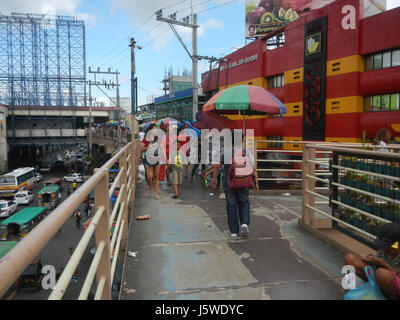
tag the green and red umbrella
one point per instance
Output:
(245, 100)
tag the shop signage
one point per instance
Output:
(314, 84)
(239, 62)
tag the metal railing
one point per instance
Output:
(341, 211)
(284, 165)
(108, 249)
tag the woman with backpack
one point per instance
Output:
(238, 178)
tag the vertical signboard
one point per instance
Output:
(314, 84)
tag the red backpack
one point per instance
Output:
(238, 176)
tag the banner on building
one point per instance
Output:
(266, 16)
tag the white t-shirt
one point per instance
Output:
(383, 147)
(141, 135)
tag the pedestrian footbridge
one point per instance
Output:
(295, 249)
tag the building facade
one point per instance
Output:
(177, 105)
(336, 82)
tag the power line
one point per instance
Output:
(196, 5)
(220, 5)
(173, 5)
(150, 31)
(167, 29)
(117, 55)
(124, 40)
(123, 58)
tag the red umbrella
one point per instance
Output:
(210, 120)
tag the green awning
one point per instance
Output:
(49, 189)
(24, 216)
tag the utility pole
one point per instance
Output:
(106, 85)
(171, 20)
(194, 70)
(133, 83)
(90, 117)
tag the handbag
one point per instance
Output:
(238, 181)
(368, 291)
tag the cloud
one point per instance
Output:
(50, 7)
(140, 12)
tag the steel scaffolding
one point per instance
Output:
(42, 60)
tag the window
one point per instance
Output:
(395, 101)
(276, 81)
(383, 102)
(396, 58)
(378, 61)
(369, 62)
(386, 63)
(367, 104)
(7, 179)
(381, 60)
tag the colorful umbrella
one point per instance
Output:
(245, 100)
(167, 121)
(190, 126)
(146, 125)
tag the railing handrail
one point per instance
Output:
(27, 249)
(359, 151)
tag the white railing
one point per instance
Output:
(107, 248)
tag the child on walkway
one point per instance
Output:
(177, 170)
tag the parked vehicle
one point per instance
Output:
(21, 223)
(7, 208)
(32, 276)
(48, 196)
(55, 181)
(17, 180)
(23, 197)
(73, 177)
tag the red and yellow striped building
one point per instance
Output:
(355, 76)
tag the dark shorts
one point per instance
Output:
(148, 164)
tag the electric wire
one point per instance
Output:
(220, 5)
(125, 39)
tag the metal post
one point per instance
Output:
(133, 104)
(103, 235)
(118, 111)
(308, 184)
(124, 181)
(194, 71)
(90, 118)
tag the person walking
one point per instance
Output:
(74, 185)
(152, 169)
(89, 211)
(77, 217)
(177, 171)
(237, 197)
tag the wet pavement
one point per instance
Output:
(185, 252)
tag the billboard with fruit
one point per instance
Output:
(265, 16)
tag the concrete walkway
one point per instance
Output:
(184, 251)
